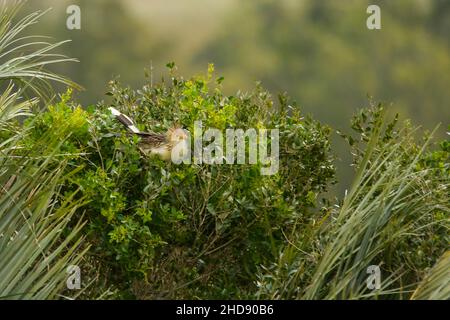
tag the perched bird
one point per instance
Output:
(152, 143)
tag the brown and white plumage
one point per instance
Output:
(153, 143)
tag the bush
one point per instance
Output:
(185, 231)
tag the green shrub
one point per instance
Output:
(188, 231)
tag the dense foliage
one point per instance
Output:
(202, 227)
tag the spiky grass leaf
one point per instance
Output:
(436, 284)
(34, 252)
(24, 59)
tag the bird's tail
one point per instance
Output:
(125, 120)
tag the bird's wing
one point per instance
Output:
(152, 140)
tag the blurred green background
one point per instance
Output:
(319, 52)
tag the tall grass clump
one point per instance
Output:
(36, 245)
(25, 59)
(394, 216)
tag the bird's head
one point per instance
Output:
(176, 135)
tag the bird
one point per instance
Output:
(155, 144)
